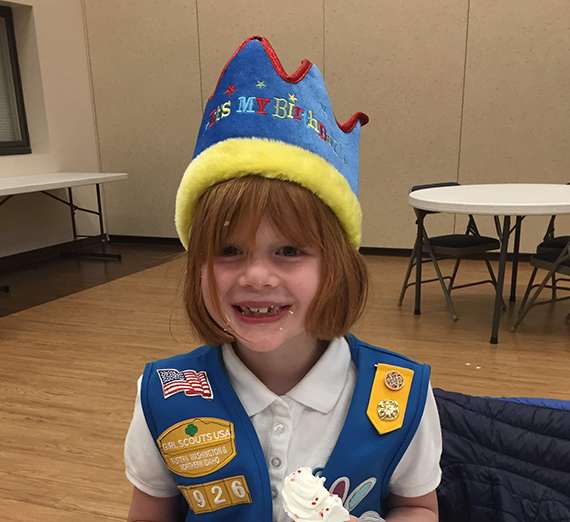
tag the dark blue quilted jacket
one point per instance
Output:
(504, 460)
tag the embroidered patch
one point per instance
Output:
(198, 447)
(188, 381)
(341, 487)
(211, 496)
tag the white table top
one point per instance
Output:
(39, 182)
(515, 199)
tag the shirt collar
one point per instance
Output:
(319, 390)
(252, 393)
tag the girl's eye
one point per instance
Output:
(230, 251)
(289, 251)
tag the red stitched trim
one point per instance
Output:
(296, 77)
(351, 122)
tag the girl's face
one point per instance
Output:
(264, 293)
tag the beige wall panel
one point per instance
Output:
(402, 64)
(517, 109)
(294, 29)
(52, 55)
(146, 83)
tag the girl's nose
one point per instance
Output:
(259, 272)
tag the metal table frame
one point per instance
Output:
(10, 187)
(504, 200)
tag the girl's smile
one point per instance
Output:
(264, 291)
(261, 313)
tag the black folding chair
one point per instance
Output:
(556, 262)
(551, 241)
(454, 246)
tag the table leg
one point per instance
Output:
(5, 288)
(72, 210)
(500, 279)
(419, 249)
(516, 250)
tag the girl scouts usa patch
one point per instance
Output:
(198, 447)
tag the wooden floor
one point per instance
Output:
(40, 282)
(68, 370)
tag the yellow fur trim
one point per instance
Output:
(272, 159)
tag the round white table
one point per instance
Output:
(509, 199)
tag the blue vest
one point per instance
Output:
(210, 444)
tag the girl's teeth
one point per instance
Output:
(266, 310)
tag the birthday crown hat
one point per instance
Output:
(260, 120)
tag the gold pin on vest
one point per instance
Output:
(394, 380)
(388, 410)
(389, 397)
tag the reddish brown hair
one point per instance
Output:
(302, 218)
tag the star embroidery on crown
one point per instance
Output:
(292, 98)
(260, 84)
(231, 88)
(323, 108)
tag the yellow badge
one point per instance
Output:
(218, 494)
(198, 447)
(389, 397)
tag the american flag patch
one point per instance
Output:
(188, 381)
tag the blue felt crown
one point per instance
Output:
(259, 120)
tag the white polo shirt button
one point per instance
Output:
(276, 462)
(274, 492)
(279, 428)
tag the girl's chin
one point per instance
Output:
(262, 343)
(259, 345)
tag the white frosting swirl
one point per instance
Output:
(306, 498)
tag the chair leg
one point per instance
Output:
(407, 278)
(553, 286)
(528, 306)
(528, 288)
(441, 280)
(493, 279)
(454, 274)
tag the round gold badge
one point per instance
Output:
(388, 410)
(394, 380)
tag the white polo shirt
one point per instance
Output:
(297, 429)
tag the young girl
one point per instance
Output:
(269, 214)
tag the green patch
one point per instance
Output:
(191, 430)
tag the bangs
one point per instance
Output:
(294, 212)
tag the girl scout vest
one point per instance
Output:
(208, 441)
